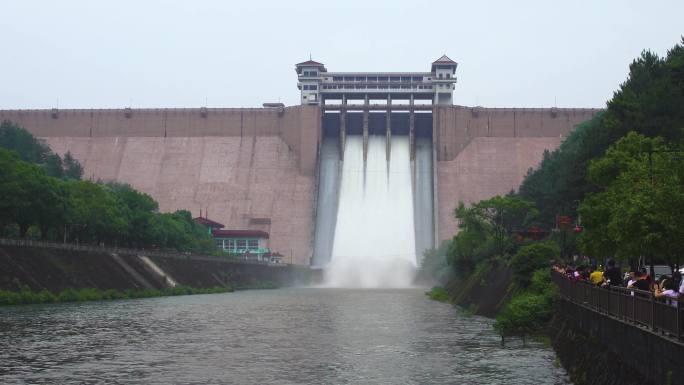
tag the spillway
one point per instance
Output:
(374, 239)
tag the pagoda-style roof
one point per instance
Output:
(310, 63)
(444, 60)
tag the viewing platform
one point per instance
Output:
(640, 309)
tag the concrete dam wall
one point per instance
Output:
(258, 168)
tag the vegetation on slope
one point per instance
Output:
(28, 296)
(623, 171)
(40, 203)
(648, 103)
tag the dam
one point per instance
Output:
(368, 160)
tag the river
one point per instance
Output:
(285, 336)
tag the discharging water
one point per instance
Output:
(374, 243)
(287, 336)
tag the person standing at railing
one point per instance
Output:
(641, 282)
(612, 275)
(596, 276)
(678, 282)
(668, 290)
(631, 279)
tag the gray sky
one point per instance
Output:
(99, 54)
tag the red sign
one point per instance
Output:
(563, 221)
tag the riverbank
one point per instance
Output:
(593, 347)
(27, 296)
(484, 292)
(30, 274)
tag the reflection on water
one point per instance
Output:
(287, 336)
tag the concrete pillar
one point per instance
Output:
(388, 129)
(365, 128)
(412, 130)
(343, 126)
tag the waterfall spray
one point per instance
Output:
(374, 243)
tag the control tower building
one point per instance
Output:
(318, 86)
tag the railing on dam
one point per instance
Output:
(139, 252)
(640, 308)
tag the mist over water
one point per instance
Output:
(374, 244)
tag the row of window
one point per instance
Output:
(237, 244)
(379, 87)
(310, 73)
(312, 87)
(377, 78)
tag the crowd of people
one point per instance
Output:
(668, 287)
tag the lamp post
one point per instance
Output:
(650, 151)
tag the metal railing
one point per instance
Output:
(246, 259)
(641, 308)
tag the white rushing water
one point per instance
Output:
(374, 243)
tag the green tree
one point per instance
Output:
(502, 215)
(532, 257)
(648, 102)
(33, 150)
(53, 166)
(72, 168)
(137, 210)
(27, 196)
(29, 148)
(638, 209)
(93, 213)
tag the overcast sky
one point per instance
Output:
(82, 54)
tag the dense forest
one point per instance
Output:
(617, 178)
(43, 197)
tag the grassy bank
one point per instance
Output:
(28, 296)
(438, 293)
(259, 285)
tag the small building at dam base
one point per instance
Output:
(281, 170)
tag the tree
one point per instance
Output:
(93, 213)
(648, 102)
(27, 196)
(502, 215)
(485, 230)
(532, 257)
(72, 168)
(29, 148)
(137, 210)
(33, 150)
(640, 206)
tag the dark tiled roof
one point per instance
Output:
(444, 60)
(209, 223)
(309, 63)
(239, 234)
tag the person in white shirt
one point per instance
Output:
(669, 291)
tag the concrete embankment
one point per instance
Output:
(597, 349)
(56, 269)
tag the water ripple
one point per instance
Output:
(288, 336)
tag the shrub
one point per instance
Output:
(438, 293)
(532, 257)
(525, 314)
